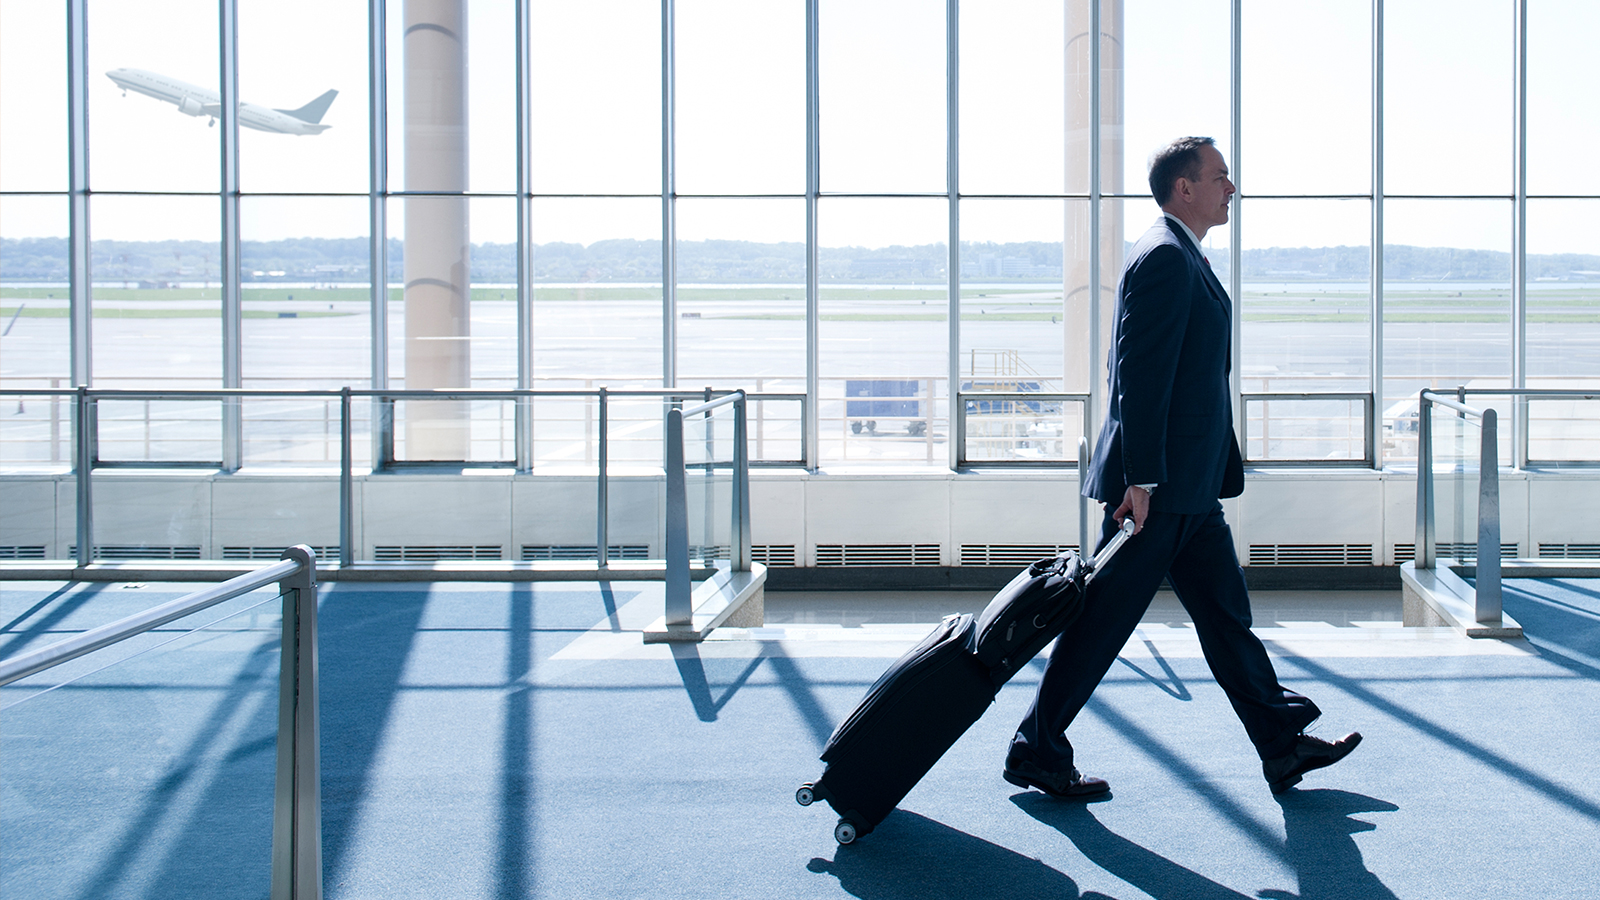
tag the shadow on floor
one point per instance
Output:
(911, 857)
(1319, 846)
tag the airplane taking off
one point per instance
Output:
(197, 101)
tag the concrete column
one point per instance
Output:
(1085, 364)
(437, 245)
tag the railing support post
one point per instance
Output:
(602, 510)
(1423, 552)
(739, 552)
(297, 802)
(679, 608)
(1488, 608)
(83, 465)
(347, 512)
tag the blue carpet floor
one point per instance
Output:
(474, 748)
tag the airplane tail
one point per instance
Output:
(312, 112)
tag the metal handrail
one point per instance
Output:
(1488, 605)
(86, 398)
(297, 797)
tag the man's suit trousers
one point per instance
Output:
(1195, 553)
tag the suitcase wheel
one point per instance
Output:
(845, 832)
(804, 796)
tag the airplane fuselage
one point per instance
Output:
(193, 100)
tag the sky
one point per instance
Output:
(1305, 111)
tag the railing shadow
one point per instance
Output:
(693, 672)
(911, 857)
(1566, 633)
(1177, 689)
(365, 643)
(19, 638)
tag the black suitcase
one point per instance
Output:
(930, 696)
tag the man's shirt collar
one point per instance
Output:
(1186, 230)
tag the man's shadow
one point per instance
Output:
(911, 857)
(1318, 828)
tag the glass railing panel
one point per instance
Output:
(708, 445)
(145, 769)
(1457, 448)
(1313, 429)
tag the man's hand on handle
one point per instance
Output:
(1135, 500)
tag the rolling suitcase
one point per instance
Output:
(930, 696)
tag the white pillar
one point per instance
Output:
(437, 246)
(1084, 360)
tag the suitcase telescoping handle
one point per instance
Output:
(1111, 547)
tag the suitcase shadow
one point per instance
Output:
(912, 857)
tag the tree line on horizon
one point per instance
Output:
(345, 260)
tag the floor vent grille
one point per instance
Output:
(324, 554)
(436, 552)
(540, 552)
(1310, 554)
(22, 552)
(877, 554)
(136, 551)
(773, 554)
(1562, 551)
(1010, 554)
(1404, 553)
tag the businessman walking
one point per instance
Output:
(1166, 456)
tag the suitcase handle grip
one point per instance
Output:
(1111, 547)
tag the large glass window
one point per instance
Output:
(1307, 103)
(33, 95)
(1446, 301)
(303, 91)
(741, 294)
(596, 293)
(1013, 98)
(597, 120)
(596, 104)
(157, 293)
(883, 96)
(741, 101)
(452, 96)
(1453, 141)
(1167, 46)
(153, 95)
(1563, 97)
(1563, 294)
(1013, 334)
(453, 324)
(884, 329)
(1306, 277)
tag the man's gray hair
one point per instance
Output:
(1179, 159)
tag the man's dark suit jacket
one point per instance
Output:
(1170, 416)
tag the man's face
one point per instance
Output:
(1208, 195)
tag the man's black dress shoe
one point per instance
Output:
(1071, 783)
(1284, 772)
